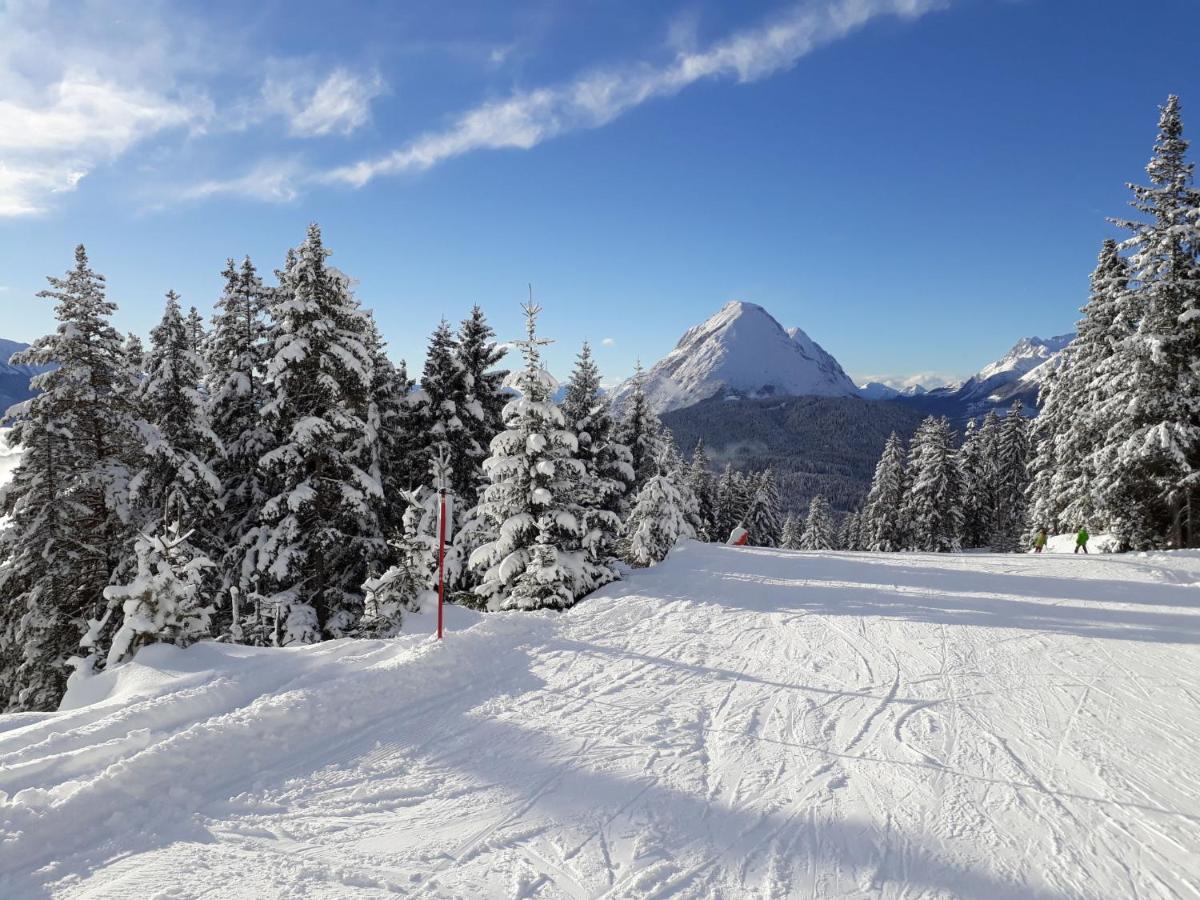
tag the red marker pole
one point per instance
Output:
(441, 559)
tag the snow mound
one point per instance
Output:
(733, 722)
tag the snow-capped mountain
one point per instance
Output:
(742, 351)
(878, 390)
(14, 380)
(1016, 375)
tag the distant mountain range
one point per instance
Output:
(1018, 375)
(14, 380)
(743, 353)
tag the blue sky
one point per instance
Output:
(916, 183)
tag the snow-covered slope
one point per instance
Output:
(741, 351)
(732, 723)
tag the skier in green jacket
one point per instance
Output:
(1081, 540)
(1039, 540)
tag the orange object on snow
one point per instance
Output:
(739, 537)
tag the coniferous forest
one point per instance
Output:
(270, 476)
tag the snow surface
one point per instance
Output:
(732, 723)
(741, 350)
(9, 457)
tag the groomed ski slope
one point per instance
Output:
(732, 723)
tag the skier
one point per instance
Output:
(1081, 539)
(1039, 540)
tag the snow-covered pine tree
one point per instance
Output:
(68, 500)
(641, 432)
(236, 356)
(671, 464)
(176, 483)
(445, 404)
(729, 510)
(135, 354)
(932, 505)
(483, 385)
(657, 519)
(1012, 481)
(197, 335)
(164, 601)
(319, 531)
(388, 427)
(884, 526)
(1101, 364)
(764, 516)
(1073, 423)
(410, 583)
(791, 534)
(977, 471)
(537, 559)
(608, 464)
(1147, 469)
(704, 487)
(850, 534)
(819, 530)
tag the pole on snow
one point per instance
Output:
(441, 477)
(441, 555)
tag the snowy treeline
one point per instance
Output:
(274, 478)
(935, 496)
(1118, 438)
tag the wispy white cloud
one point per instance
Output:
(338, 104)
(78, 89)
(608, 342)
(272, 180)
(527, 118)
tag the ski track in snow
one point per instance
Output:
(732, 723)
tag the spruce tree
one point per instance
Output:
(608, 464)
(135, 354)
(1075, 417)
(763, 517)
(657, 519)
(703, 486)
(1147, 468)
(933, 500)
(68, 500)
(197, 336)
(1012, 481)
(318, 531)
(884, 526)
(236, 356)
(444, 407)
(819, 531)
(164, 601)
(483, 385)
(850, 534)
(791, 534)
(176, 483)
(729, 509)
(537, 558)
(641, 432)
(977, 471)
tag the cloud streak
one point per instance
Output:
(527, 118)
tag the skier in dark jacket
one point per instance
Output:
(1081, 540)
